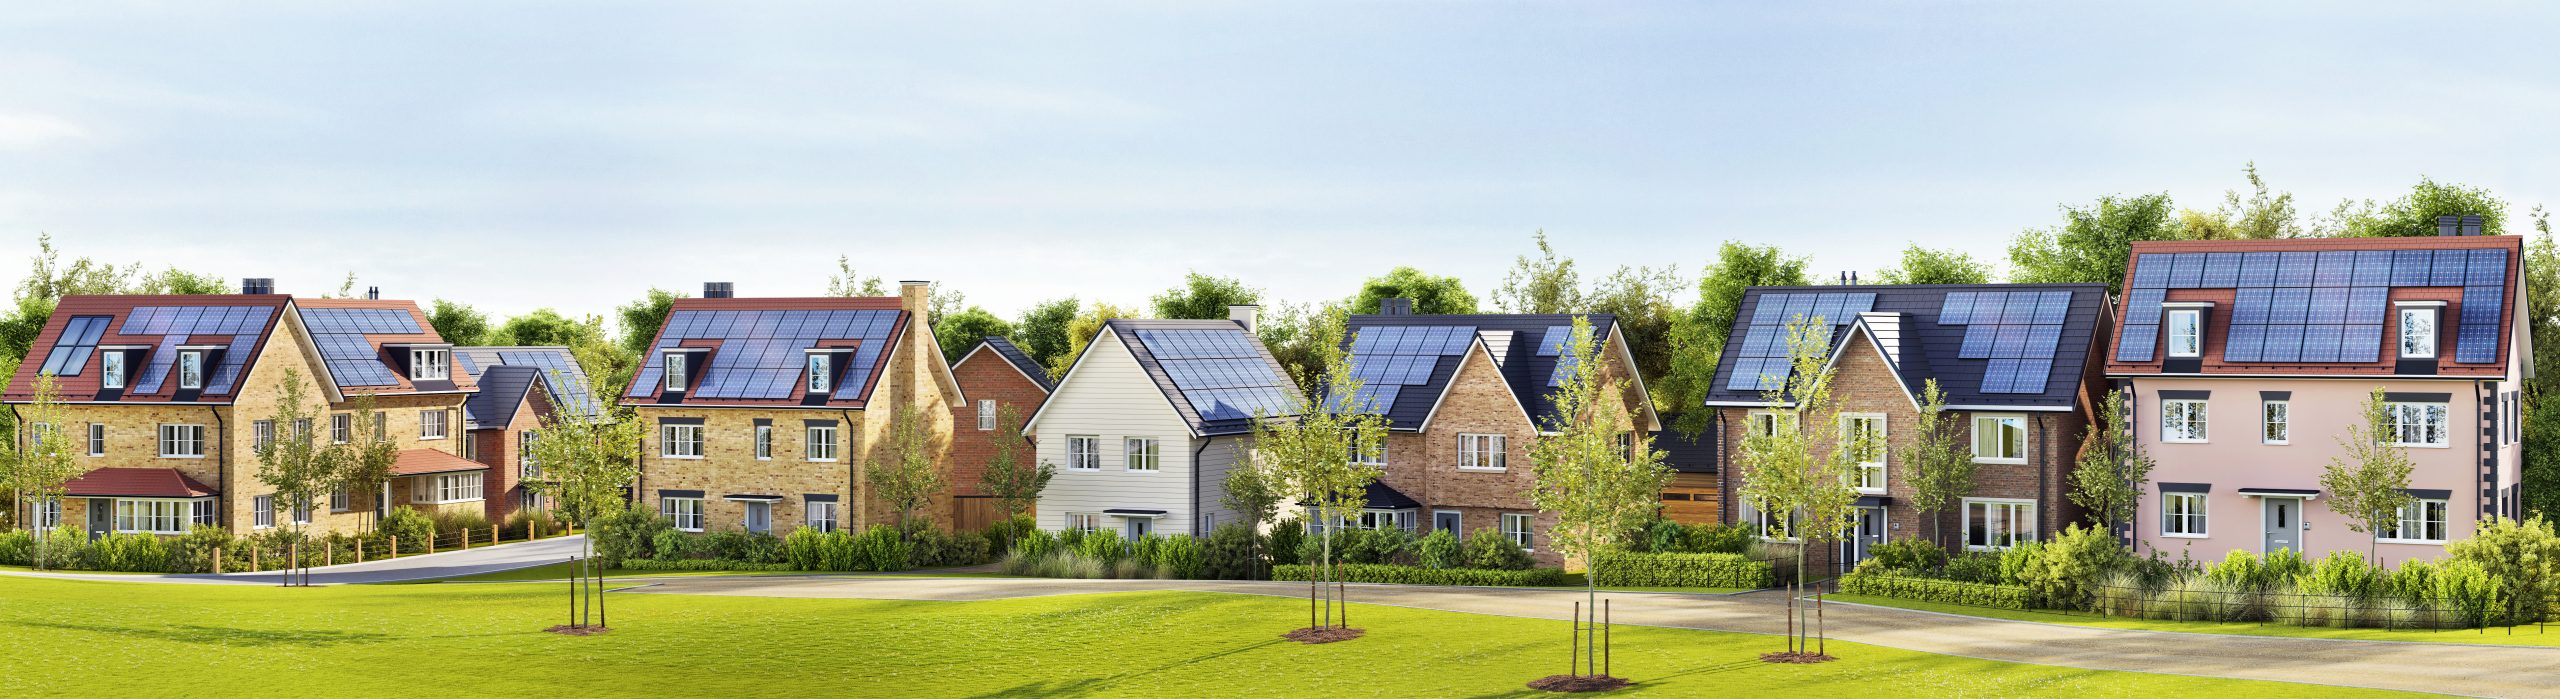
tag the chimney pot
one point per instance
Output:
(2474, 224)
(2448, 226)
(373, 293)
(1246, 315)
(718, 290)
(1395, 307)
(258, 285)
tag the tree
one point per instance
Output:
(640, 320)
(1697, 337)
(295, 466)
(846, 282)
(959, 332)
(2093, 241)
(547, 327)
(1938, 462)
(178, 282)
(1804, 468)
(1925, 266)
(1544, 285)
(1598, 488)
(1081, 332)
(1431, 295)
(458, 323)
(1309, 453)
(1203, 297)
(2263, 215)
(38, 467)
(1042, 331)
(1013, 481)
(940, 305)
(370, 456)
(2415, 213)
(2108, 479)
(588, 461)
(2368, 482)
(2541, 412)
(910, 474)
(346, 289)
(49, 279)
(1295, 334)
(1641, 300)
(1253, 493)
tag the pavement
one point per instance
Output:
(2418, 666)
(485, 559)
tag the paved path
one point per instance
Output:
(486, 559)
(2478, 670)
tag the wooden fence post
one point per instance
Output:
(329, 557)
(395, 547)
(466, 538)
(431, 544)
(493, 534)
(217, 560)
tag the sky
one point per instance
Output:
(520, 155)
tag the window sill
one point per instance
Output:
(2186, 441)
(424, 438)
(1869, 491)
(817, 461)
(2277, 444)
(2447, 445)
(1484, 469)
(695, 530)
(181, 456)
(2420, 542)
(680, 458)
(1971, 547)
(2000, 462)
(2186, 536)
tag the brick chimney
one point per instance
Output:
(2448, 226)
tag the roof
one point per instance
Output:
(1685, 455)
(559, 369)
(1216, 374)
(502, 390)
(1002, 348)
(136, 483)
(2002, 346)
(1378, 496)
(419, 462)
(360, 343)
(148, 330)
(2322, 307)
(1405, 362)
(752, 352)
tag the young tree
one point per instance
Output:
(2112, 468)
(370, 456)
(2369, 483)
(296, 466)
(1203, 297)
(910, 474)
(588, 460)
(1295, 334)
(1939, 462)
(1013, 481)
(1805, 467)
(847, 282)
(1598, 487)
(1432, 295)
(1544, 285)
(39, 467)
(1042, 331)
(1310, 452)
(1253, 492)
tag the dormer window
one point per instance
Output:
(191, 369)
(821, 380)
(675, 371)
(2417, 332)
(111, 369)
(430, 364)
(2186, 332)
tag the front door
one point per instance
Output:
(1448, 521)
(1866, 531)
(102, 517)
(759, 517)
(2284, 524)
(1138, 528)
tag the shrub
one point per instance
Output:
(2064, 573)
(1001, 534)
(1629, 569)
(1388, 546)
(1718, 538)
(523, 522)
(17, 548)
(1660, 536)
(1868, 582)
(1441, 550)
(879, 549)
(1143, 549)
(413, 528)
(1975, 567)
(2524, 559)
(1106, 547)
(2343, 574)
(744, 547)
(805, 548)
(1229, 554)
(1036, 543)
(1180, 558)
(702, 564)
(140, 553)
(1490, 550)
(1410, 575)
(627, 535)
(1909, 555)
(1284, 540)
(451, 523)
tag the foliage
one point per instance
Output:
(1182, 558)
(1410, 575)
(1253, 493)
(2414, 214)
(1630, 569)
(1546, 285)
(458, 323)
(2092, 243)
(39, 470)
(1307, 450)
(294, 465)
(847, 282)
(1643, 300)
(960, 332)
(409, 526)
(1296, 333)
(702, 564)
(546, 327)
(2524, 558)
(1596, 490)
(639, 321)
(1803, 467)
(1439, 550)
(623, 535)
(1203, 297)
(1284, 540)
(2065, 572)
(1010, 477)
(1431, 295)
(370, 455)
(1080, 331)
(1875, 582)
(1697, 338)
(1231, 553)
(1490, 550)
(2261, 216)
(909, 475)
(1042, 331)
(49, 279)
(1925, 266)
(2368, 480)
(1907, 554)
(1938, 463)
(2107, 480)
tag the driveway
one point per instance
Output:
(2451, 668)
(486, 559)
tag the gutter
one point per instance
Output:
(852, 467)
(1194, 526)
(222, 466)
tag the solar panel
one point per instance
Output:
(2187, 271)
(174, 324)
(2151, 271)
(2221, 269)
(1391, 356)
(1223, 375)
(2013, 329)
(2295, 269)
(2258, 269)
(1766, 338)
(762, 354)
(2448, 268)
(2142, 307)
(72, 348)
(2336, 268)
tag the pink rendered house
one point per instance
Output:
(2246, 361)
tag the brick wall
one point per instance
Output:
(983, 376)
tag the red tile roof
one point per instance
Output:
(2217, 331)
(462, 380)
(647, 388)
(136, 483)
(419, 462)
(79, 382)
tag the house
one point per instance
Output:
(1694, 494)
(519, 388)
(763, 414)
(1149, 419)
(2018, 365)
(2247, 361)
(165, 399)
(1463, 397)
(998, 378)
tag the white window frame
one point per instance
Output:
(2012, 509)
(97, 439)
(1757, 423)
(430, 364)
(2420, 514)
(526, 465)
(2275, 422)
(338, 499)
(2421, 345)
(342, 427)
(262, 433)
(1484, 452)
(1386, 519)
(177, 435)
(190, 369)
(818, 443)
(1084, 452)
(2195, 522)
(1998, 420)
(673, 367)
(432, 424)
(2430, 420)
(1086, 522)
(1883, 453)
(1368, 455)
(46, 514)
(674, 440)
(1141, 454)
(2185, 421)
(820, 378)
(442, 488)
(262, 512)
(154, 515)
(986, 414)
(820, 516)
(1760, 519)
(2186, 333)
(764, 442)
(111, 369)
(1524, 533)
(682, 511)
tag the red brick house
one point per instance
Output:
(996, 376)
(520, 387)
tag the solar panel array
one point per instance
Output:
(1762, 364)
(2316, 306)
(559, 371)
(1387, 358)
(71, 350)
(763, 354)
(1558, 343)
(2016, 330)
(340, 334)
(1221, 373)
(174, 324)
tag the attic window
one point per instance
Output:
(430, 364)
(191, 369)
(675, 371)
(821, 379)
(111, 369)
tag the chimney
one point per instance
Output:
(718, 290)
(1395, 307)
(916, 298)
(2448, 226)
(258, 285)
(1246, 315)
(373, 293)
(2474, 225)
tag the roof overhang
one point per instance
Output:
(752, 498)
(2304, 493)
(1134, 514)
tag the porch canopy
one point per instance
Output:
(136, 483)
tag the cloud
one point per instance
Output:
(27, 131)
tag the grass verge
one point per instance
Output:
(2518, 636)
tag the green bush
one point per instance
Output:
(2066, 571)
(745, 547)
(701, 564)
(1103, 546)
(1490, 550)
(1001, 534)
(1441, 550)
(17, 548)
(451, 523)
(2345, 575)
(1410, 575)
(627, 535)
(1919, 589)
(1035, 543)
(1180, 557)
(1909, 554)
(1283, 544)
(1975, 567)
(524, 521)
(2524, 557)
(1629, 569)
(1229, 554)
(1659, 536)
(930, 547)
(2473, 594)
(879, 549)
(1718, 538)
(1143, 548)
(139, 553)
(413, 528)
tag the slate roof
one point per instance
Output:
(755, 349)
(1513, 339)
(1682, 454)
(2266, 294)
(136, 483)
(1013, 355)
(148, 330)
(1923, 342)
(502, 390)
(1221, 395)
(559, 369)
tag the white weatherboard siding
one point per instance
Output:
(1109, 396)
(1221, 456)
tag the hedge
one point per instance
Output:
(701, 564)
(1935, 590)
(1410, 575)
(1629, 569)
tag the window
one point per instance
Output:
(1084, 522)
(1865, 431)
(1998, 524)
(822, 442)
(204, 512)
(1482, 452)
(1366, 453)
(342, 428)
(2182, 421)
(181, 441)
(302, 429)
(1387, 519)
(2000, 439)
(1762, 424)
(262, 511)
(2417, 333)
(2421, 521)
(533, 500)
(262, 433)
(2186, 332)
(48, 513)
(1769, 524)
(97, 439)
(1084, 453)
(338, 499)
(136, 516)
(447, 487)
(37, 434)
(2418, 424)
(191, 369)
(1516, 528)
(2182, 514)
(302, 512)
(431, 424)
(470, 448)
(381, 425)
(987, 415)
(111, 369)
(524, 455)
(822, 516)
(2274, 416)
(430, 364)
(764, 442)
(686, 512)
(680, 441)
(818, 376)
(1141, 453)
(675, 373)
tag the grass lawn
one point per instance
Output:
(86, 638)
(560, 571)
(2520, 636)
